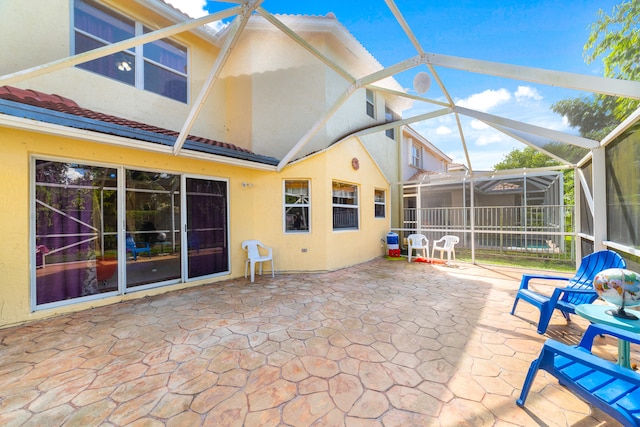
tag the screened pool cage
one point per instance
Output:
(524, 213)
(511, 214)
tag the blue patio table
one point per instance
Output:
(597, 313)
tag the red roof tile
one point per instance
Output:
(66, 105)
(421, 174)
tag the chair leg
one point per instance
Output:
(273, 273)
(545, 317)
(246, 267)
(253, 271)
(513, 309)
(531, 375)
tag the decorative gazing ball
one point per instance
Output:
(611, 283)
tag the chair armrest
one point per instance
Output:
(590, 360)
(557, 293)
(560, 291)
(524, 284)
(596, 329)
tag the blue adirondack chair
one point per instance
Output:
(579, 290)
(608, 386)
(137, 247)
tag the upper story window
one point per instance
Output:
(296, 206)
(379, 203)
(159, 66)
(345, 206)
(390, 116)
(416, 156)
(371, 110)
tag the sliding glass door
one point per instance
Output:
(152, 230)
(111, 230)
(76, 239)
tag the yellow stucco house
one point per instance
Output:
(139, 149)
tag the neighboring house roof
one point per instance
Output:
(421, 175)
(66, 112)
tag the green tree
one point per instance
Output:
(526, 158)
(614, 38)
(531, 158)
(592, 116)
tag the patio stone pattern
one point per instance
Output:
(384, 343)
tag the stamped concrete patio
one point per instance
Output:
(385, 343)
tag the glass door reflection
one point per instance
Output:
(152, 230)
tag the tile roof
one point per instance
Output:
(421, 174)
(65, 105)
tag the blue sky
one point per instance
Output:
(546, 34)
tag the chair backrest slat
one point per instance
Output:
(590, 266)
(251, 246)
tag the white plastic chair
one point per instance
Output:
(446, 244)
(253, 256)
(418, 242)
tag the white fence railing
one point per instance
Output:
(518, 231)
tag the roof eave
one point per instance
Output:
(34, 119)
(176, 16)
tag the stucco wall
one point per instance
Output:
(256, 211)
(34, 36)
(290, 91)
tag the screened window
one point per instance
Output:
(296, 206)
(159, 67)
(379, 203)
(416, 156)
(371, 112)
(390, 116)
(345, 206)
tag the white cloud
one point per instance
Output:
(478, 125)
(489, 139)
(193, 8)
(485, 101)
(527, 92)
(443, 130)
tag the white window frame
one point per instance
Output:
(370, 97)
(299, 204)
(342, 194)
(137, 52)
(377, 203)
(416, 155)
(390, 116)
